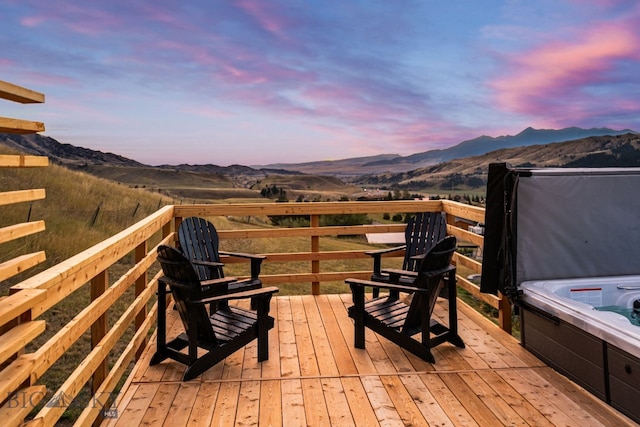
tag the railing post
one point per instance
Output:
(504, 314)
(166, 230)
(451, 219)
(315, 249)
(99, 285)
(141, 284)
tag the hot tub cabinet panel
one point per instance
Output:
(575, 353)
(606, 371)
(624, 379)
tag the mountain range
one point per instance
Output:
(462, 166)
(473, 147)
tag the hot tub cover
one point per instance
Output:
(557, 223)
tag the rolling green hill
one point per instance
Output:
(79, 211)
(470, 172)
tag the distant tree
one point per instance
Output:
(344, 220)
(282, 196)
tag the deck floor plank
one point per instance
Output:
(470, 400)
(514, 399)
(158, 408)
(225, 411)
(337, 404)
(293, 413)
(182, 405)
(204, 404)
(315, 376)
(248, 404)
(138, 405)
(315, 405)
(385, 411)
(307, 357)
(270, 403)
(361, 409)
(339, 345)
(407, 409)
(448, 401)
(425, 401)
(541, 395)
(582, 398)
(326, 360)
(493, 400)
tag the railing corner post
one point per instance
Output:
(504, 314)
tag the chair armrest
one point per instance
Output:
(242, 255)
(390, 286)
(443, 271)
(221, 281)
(207, 263)
(399, 272)
(256, 261)
(377, 257)
(204, 284)
(164, 280)
(413, 274)
(262, 292)
(379, 252)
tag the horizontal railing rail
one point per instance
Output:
(22, 311)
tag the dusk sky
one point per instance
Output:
(256, 82)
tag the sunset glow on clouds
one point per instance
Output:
(256, 82)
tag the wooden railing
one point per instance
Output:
(103, 367)
(10, 268)
(15, 332)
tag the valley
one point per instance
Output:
(374, 177)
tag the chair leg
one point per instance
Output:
(161, 331)
(454, 338)
(262, 307)
(358, 315)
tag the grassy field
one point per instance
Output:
(79, 211)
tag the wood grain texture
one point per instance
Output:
(316, 377)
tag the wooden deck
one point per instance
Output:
(314, 377)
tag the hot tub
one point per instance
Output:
(576, 301)
(563, 323)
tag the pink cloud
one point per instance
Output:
(267, 16)
(33, 21)
(79, 19)
(560, 71)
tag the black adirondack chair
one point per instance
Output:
(219, 333)
(400, 321)
(200, 243)
(423, 231)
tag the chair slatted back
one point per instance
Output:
(423, 231)
(436, 260)
(185, 287)
(199, 241)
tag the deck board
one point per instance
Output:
(316, 377)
